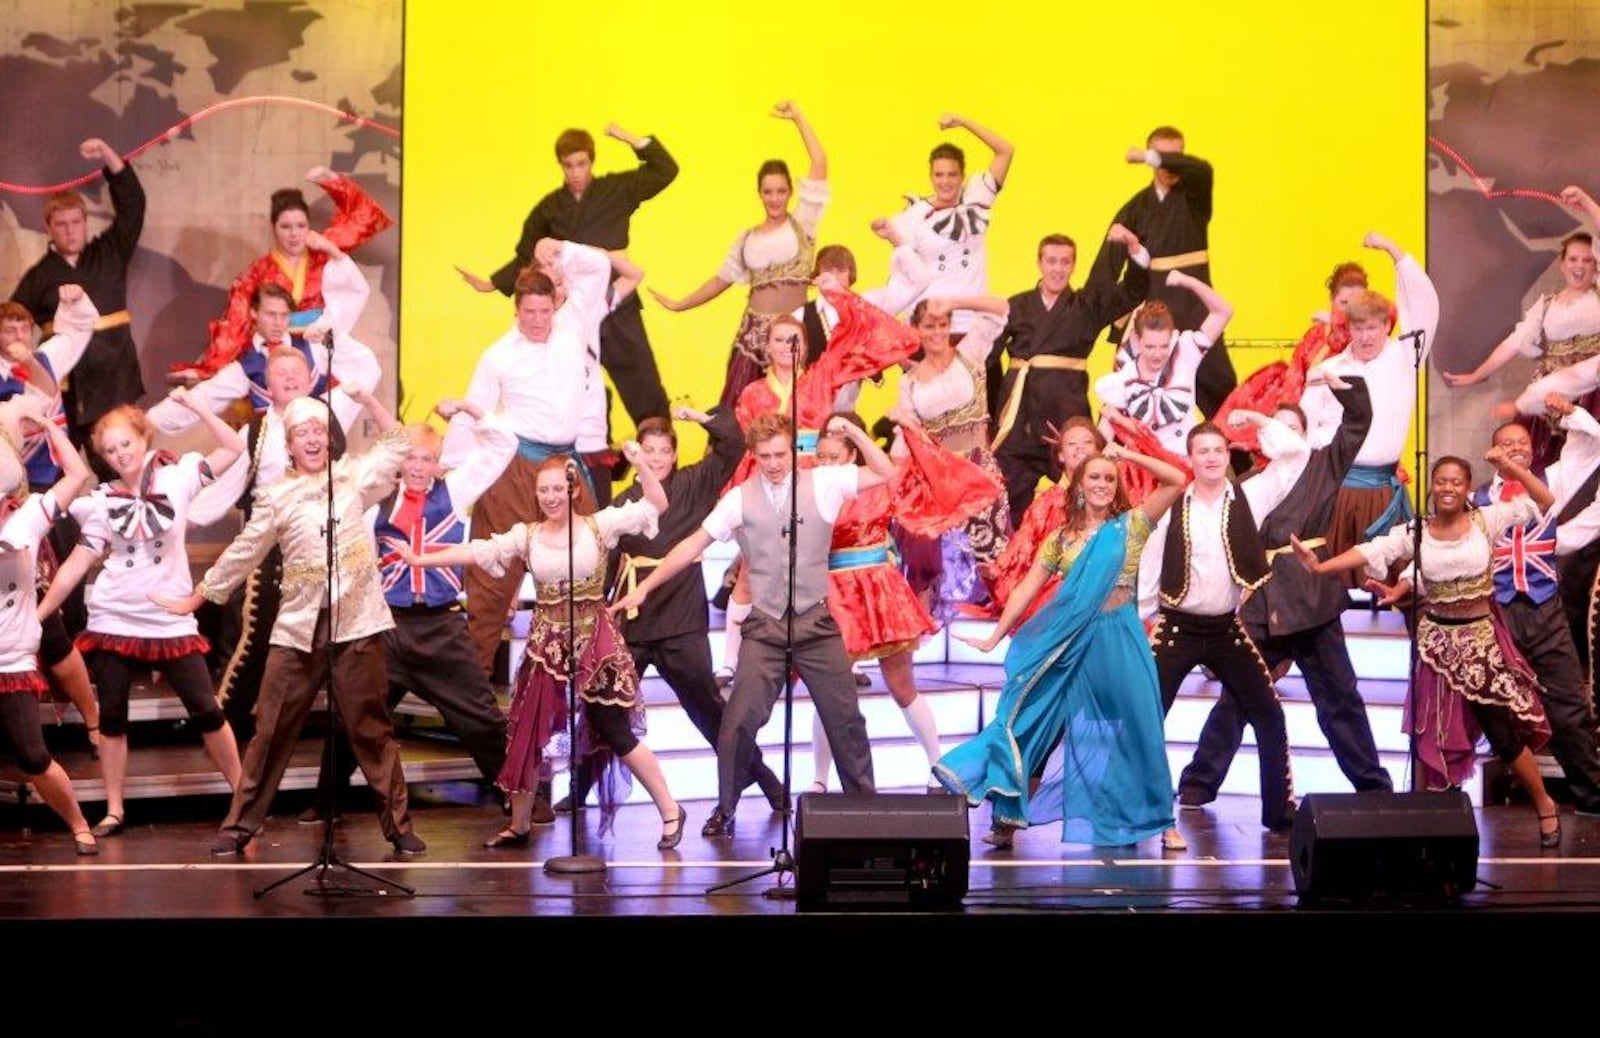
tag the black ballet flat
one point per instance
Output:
(83, 844)
(508, 838)
(1553, 837)
(110, 825)
(672, 839)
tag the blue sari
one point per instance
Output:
(1084, 677)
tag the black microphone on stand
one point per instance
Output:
(572, 478)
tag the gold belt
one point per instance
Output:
(1183, 259)
(1008, 413)
(111, 320)
(628, 576)
(1288, 549)
(959, 438)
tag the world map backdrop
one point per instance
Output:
(127, 72)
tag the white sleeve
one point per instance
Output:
(1578, 532)
(813, 199)
(1323, 413)
(908, 279)
(1579, 454)
(215, 394)
(353, 364)
(833, 485)
(1112, 389)
(980, 337)
(1502, 515)
(1269, 488)
(1527, 333)
(588, 274)
(483, 390)
(493, 447)
(74, 327)
(733, 269)
(980, 189)
(728, 515)
(1571, 382)
(1417, 301)
(344, 293)
(1387, 549)
(1155, 547)
(494, 553)
(637, 517)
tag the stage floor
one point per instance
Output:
(160, 868)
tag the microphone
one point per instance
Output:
(1412, 335)
(572, 474)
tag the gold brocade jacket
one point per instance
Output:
(293, 515)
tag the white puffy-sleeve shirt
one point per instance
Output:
(1464, 557)
(20, 536)
(545, 554)
(756, 249)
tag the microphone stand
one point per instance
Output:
(327, 855)
(575, 863)
(782, 859)
(1419, 459)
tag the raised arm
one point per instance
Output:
(1511, 472)
(656, 168)
(230, 445)
(213, 394)
(127, 196)
(819, 158)
(380, 415)
(357, 216)
(1170, 479)
(74, 471)
(1002, 148)
(879, 468)
(1218, 311)
(1581, 200)
(1414, 293)
(654, 492)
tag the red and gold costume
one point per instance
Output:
(357, 219)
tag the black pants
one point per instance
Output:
(626, 355)
(1184, 641)
(431, 655)
(188, 676)
(20, 730)
(1541, 634)
(1022, 470)
(1324, 662)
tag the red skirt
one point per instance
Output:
(146, 650)
(877, 612)
(23, 681)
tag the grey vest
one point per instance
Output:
(765, 546)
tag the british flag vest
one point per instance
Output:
(1524, 557)
(405, 586)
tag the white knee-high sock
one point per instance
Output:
(920, 719)
(737, 611)
(821, 753)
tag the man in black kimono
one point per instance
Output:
(1048, 336)
(108, 374)
(1295, 616)
(1172, 217)
(596, 211)
(670, 628)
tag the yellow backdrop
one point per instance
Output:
(1314, 120)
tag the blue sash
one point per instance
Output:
(1372, 477)
(858, 558)
(303, 319)
(535, 452)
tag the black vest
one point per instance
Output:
(1247, 559)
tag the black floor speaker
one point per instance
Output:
(1384, 847)
(881, 850)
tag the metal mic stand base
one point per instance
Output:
(574, 865)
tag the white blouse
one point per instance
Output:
(20, 537)
(954, 387)
(755, 249)
(142, 544)
(1464, 557)
(547, 559)
(1556, 322)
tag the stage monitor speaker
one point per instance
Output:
(881, 850)
(1384, 847)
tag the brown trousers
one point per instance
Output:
(509, 501)
(360, 695)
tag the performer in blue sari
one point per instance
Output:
(1079, 672)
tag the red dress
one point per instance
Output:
(357, 219)
(934, 491)
(1279, 383)
(864, 342)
